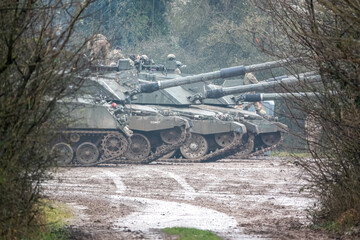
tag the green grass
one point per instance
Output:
(191, 233)
(51, 221)
(289, 154)
(56, 214)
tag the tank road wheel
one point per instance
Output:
(224, 139)
(87, 153)
(171, 136)
(271, 139)
(195, 147)
(139, 148)
(63, 153)
(114, 144)
(74, 137)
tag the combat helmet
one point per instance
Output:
(171, 57)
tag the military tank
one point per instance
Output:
(97, 133)
(123, 84)
(177, 94)
(154, 134)
(264, 140)
(101, 131)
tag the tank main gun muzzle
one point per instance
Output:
(258, 97)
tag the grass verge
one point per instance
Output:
(191, 233)
(290, 154)
(51, 221)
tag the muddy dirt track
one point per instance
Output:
(245, 199)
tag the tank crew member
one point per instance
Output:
(146, 60)
(99, 48)
(251, 79)
(172, 64)
(137, 61)
(115, 55)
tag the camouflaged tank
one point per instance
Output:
(96, 132)
(210, 125)
(153, 134)
(185, 94)
(266, 139)
(102, 131)
(188, 93)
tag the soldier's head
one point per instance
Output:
(171, 57)
(99, 36)
(144, 57)
(250, 79)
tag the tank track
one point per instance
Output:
(258, 151)
(263, 150)
(160, 151)
(166, 148)
(235, 147)
(85, 133)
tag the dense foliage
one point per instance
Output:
(128, 23)
(36, 66)
(326, 34)
(205, 35)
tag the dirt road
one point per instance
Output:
(247, 199)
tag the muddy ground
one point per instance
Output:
(244, 199)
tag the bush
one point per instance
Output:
(325, 34)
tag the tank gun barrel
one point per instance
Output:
(223, 73)
(258, 97)
(217, 93)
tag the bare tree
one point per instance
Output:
(326, 34)
(38, 60)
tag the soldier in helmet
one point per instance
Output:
(114, 56)
(146, 60)
(136, 61)
(251, 79)
(171, 57)
(99, 48)
(172, 64)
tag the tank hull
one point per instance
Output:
(94, 134)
